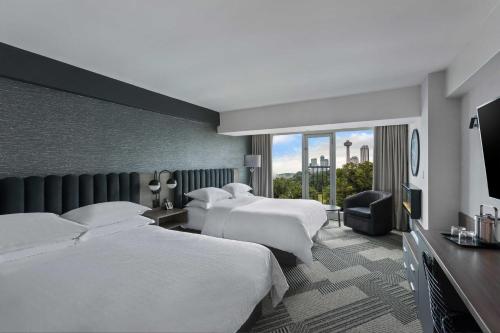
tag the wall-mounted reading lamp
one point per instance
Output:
(474, 122)
(155, 186)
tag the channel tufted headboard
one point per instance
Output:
(189, 180)
(59, 194)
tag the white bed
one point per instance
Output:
(136, 279)
(196, 218)
(285, 224)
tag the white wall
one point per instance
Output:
(388, 106)
(443, 175)
(439, 172)
(482, 48)
(474, 189)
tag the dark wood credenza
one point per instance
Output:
(474, 273)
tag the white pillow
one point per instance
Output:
(199, 204)
(105, 213)
(242, 195)
(235, 188)
(209, 194)
(28, 230)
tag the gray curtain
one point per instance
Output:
(390, 167)
(263, 176)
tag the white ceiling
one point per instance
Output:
(227, 54)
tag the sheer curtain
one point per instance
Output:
(390, 167)
(263, 176)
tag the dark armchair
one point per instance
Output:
(369, 212)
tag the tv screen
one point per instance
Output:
(489, 124)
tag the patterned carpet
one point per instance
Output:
(357, 284)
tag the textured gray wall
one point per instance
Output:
(45, 131)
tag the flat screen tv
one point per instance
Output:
(489, 124)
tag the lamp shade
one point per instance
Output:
(171, 183)
(253, 161)
(154, 185)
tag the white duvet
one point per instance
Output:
(285, 224)
(143, 279)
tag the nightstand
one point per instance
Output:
(167, 218)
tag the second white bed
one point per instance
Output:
(285, 224)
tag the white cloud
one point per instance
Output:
(282, 139)
(287, 163)
(318, 149)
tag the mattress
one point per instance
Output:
(139, 279)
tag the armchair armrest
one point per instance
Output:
(381, 201)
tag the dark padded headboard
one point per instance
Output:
(189, 180)
(59, 194)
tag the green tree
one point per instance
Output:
(319, 186)
(353, 178)
(287, 188)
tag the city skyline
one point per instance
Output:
(322, 162)
(365, 153)
(287, 149)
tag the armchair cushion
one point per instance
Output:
(359, 211)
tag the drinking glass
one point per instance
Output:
(455, 230)
(464, 236)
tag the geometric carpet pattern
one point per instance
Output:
(356, 284)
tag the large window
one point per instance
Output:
(287, 166)
(326, 167)
(317, 152)
(354, 163)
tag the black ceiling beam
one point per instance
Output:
(30, 67)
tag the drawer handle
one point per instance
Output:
(412, 287)
(404, 249)
(404, 265)
(412, 268)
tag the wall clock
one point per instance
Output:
(415, 152)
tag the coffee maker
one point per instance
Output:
(486, 225)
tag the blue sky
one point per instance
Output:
(287, 149)
(286, 144)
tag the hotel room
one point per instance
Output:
(249, 166)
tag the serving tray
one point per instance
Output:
(474, 242)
